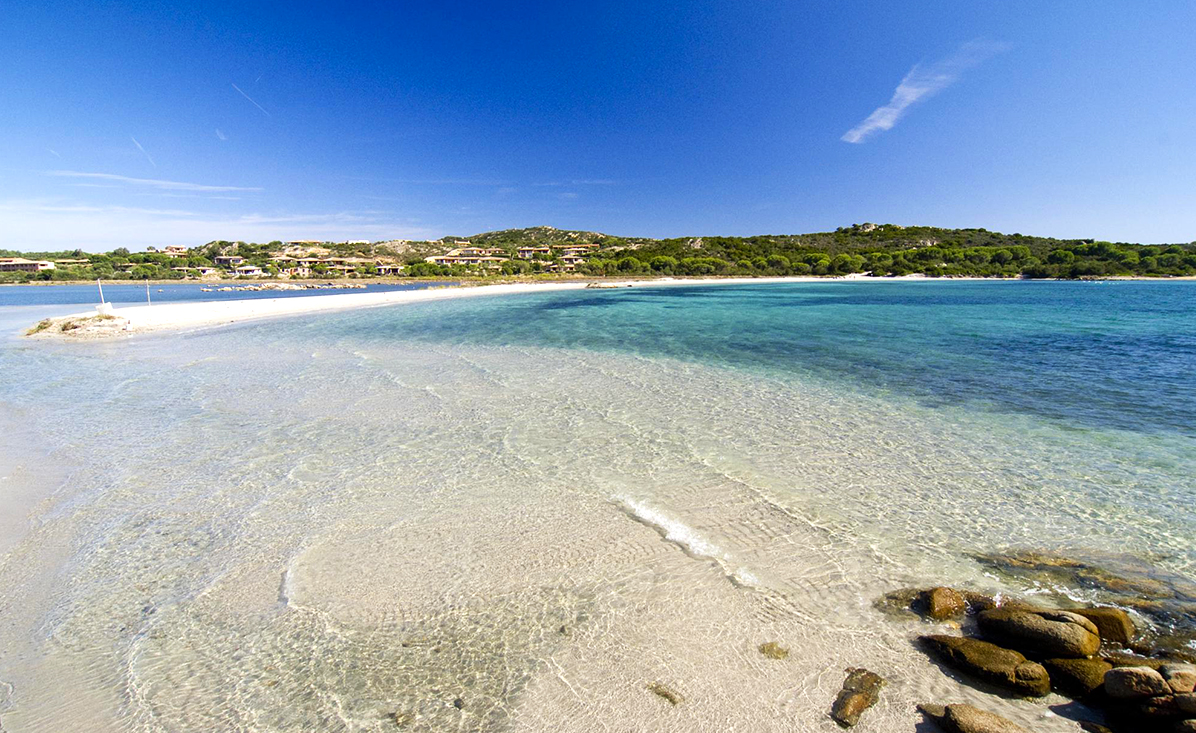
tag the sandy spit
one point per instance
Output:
(175, 316)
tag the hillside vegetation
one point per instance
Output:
(881, 250)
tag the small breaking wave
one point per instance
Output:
(672, 530)
(691, 542)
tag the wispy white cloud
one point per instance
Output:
(579, 182)
(255, 104)
(567, 195)
(168, 185)
(147, 155)
(220, 134)
(48, 224)
(53, 152)
(922, 83)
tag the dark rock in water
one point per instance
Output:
(978, 602)
(1089, 727)
(773, 650)
(860, 691)
(1165, 600)
(1186, 704)
(1118, 574)
(939, 603)
(990, 663)
(1041, 633)
(672, 696)
(1128, 683)
(1180, 677)
(1122, 659)
(459, 703)
(1168, 642)
(961, 718)
(1078, 678)
(943, 603)
(403, 720)
(932, 711)
(1113, 624)
(901, 602)
(1185, 726)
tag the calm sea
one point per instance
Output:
(513, 513)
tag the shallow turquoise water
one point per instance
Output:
(536, 504)
(1100, 354)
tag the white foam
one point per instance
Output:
(673, 530)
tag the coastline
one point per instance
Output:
(130, 320)
(127, 321)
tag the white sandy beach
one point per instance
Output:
(174, 316)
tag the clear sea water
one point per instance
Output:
(514, 513)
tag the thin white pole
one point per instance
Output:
(147, 300)
(101, 287)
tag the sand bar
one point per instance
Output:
(173, 316)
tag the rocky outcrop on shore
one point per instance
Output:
(101, 325)
(1131, 664)
(990, 663)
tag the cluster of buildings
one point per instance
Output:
(20, 264)
(566, 257)
(557, 258)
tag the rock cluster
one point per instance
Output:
(1030, 651)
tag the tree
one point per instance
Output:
(630, 264)
(664, 264)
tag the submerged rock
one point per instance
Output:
(672, 696)
(403, 720)
(990, 663)
(1128, 683)
(939, 604)
(773, 650)
(1166, 601)
(1078, 678)
(1042, 633)
(943, 603)
(860, 691)
(960, 718)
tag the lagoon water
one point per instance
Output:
(515, 513)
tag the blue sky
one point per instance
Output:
(134, 124)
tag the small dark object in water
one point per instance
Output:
(860, 691)
(659, 688)
(459, 703)
(403, 720)
(773, 650)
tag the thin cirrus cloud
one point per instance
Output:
(147, 155)
(922, 83)
(151, 182)
(56, 224)
(255, 104)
